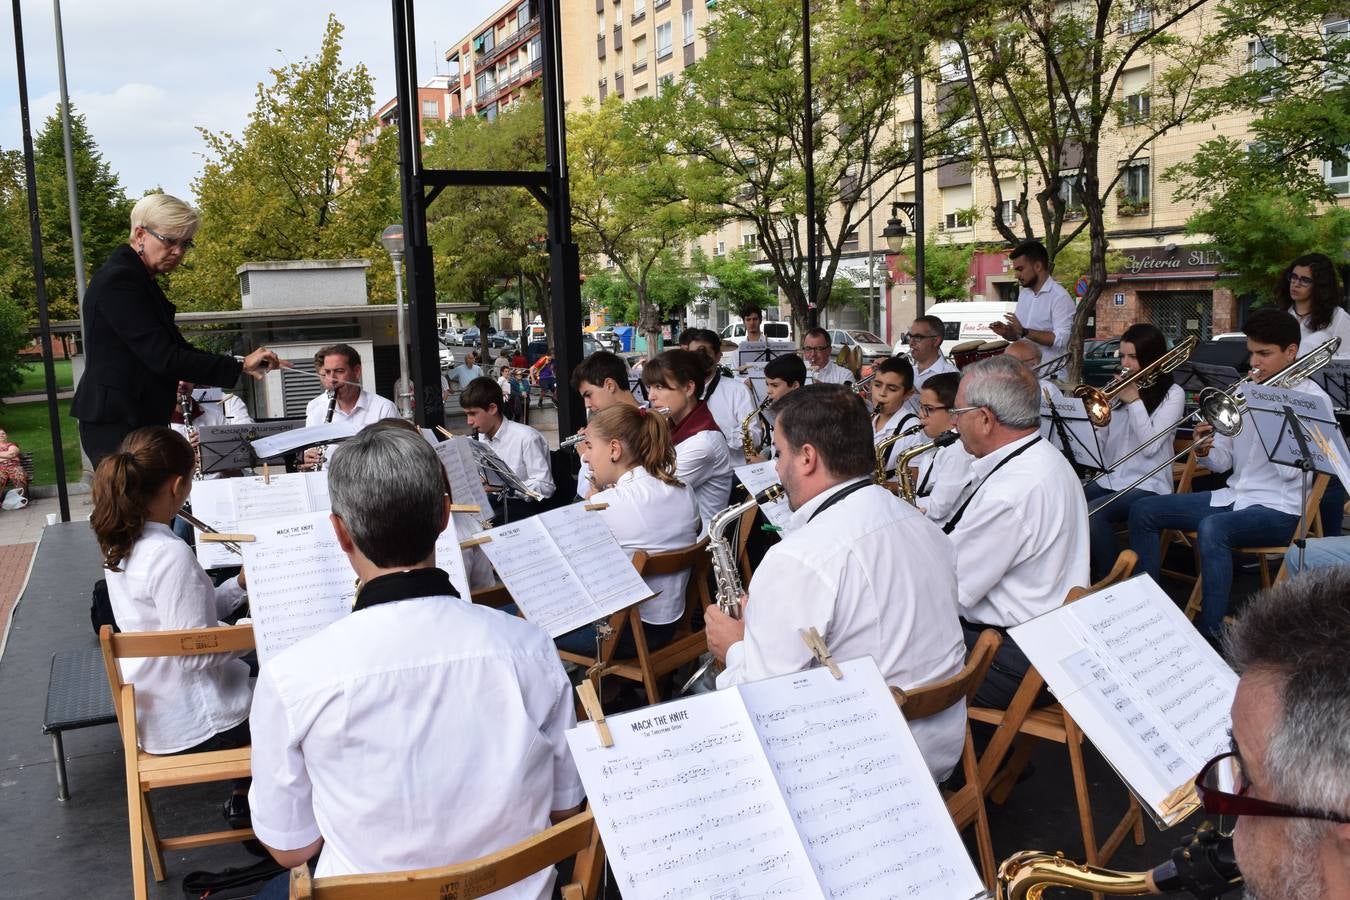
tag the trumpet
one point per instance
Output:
(907, 490)
(1223, 409)
(1098, 401)
(883, 449)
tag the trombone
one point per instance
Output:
(1098, 401)
(1222, 410)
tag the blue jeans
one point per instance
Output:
(1321, 553)
(1332, 508)
(1219, 529)
(1101, 527)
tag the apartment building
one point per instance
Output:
(436, 102)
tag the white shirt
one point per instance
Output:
(1256, 481)
(703, 462)
(236, 411)
(1049, 309)
(368, 408)
(525, 451)
(1339, 327)
(877, 579)
(897, 422)
(180, 700)
(943, 476)
(1022, 543)
(461, 375)
(646, 513)
(1129, 427)
(830, 373)
(374, 730)
(729, 404)
(940, 365)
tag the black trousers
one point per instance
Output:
(100, 439)
(1005, 675)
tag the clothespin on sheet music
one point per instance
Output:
(465, 508)
(1180, 803)
(590, 701)
(267, 474)
(216, 537)
(593, 507)
(821, 651)
(444, 432)
(474, 542)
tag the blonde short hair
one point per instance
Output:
(164, 212)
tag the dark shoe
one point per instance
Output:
(236, 811)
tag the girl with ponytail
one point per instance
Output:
(631, 457)
(184, 704)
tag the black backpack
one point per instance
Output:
(100, 608)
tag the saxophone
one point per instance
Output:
(883, 450)
(1203, 866)
(748, 445)
(907, 491)
(185, 407)
(327, 418)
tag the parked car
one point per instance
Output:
(589, 345)
(453, 337)
(606, 338)
(774, 331)
(963, 320)
(534, 350)
(870, 348)
(1101, 361)
(447, 357)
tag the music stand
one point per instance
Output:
(1193, 376)
(277, 445)
(752, 352)
(498, 474)
(227, 447)
(1066, 426)
(1334, 378)
(1298, 430)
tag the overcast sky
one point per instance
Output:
(146, 74)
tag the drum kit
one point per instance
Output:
(967, 352)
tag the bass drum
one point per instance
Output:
(965, 353)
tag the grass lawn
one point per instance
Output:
(35, 379)
(28, 427)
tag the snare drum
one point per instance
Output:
(964, 354)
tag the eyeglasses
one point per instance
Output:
(956, 411)
(911, 337)
(925, 410)
(1223, 774)
(810, 349)
(1305, 280)
(184, 244)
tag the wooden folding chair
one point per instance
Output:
(689, 643)
(147, 771)
(577, 837)
(1020, 725)
(1310, 523)
(965, 806)
(1183, 475)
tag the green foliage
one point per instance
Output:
(731, 282)
(13, 338)
(304, 181)
(946, 268)
(1259, 232)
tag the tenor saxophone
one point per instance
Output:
(748, 445)
(883, 450)
(907, 491)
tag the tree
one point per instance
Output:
(1039, 90)
(731, 282)
(946, 268)
(304, 181)
(670, 286)
(634, 201)
(740, 111)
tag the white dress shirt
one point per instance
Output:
(374, 730)
(1049, 309)
(646, 513)
(1339, 327)
(830, 373)
(1130, 425)
(525, 451)
(1256, 481)
(1022, 543)
(729, 403)
(703, 462)
(876, 579)
(368, 408)
(943, 476)
(236, 410)
(180, 700)
(940, 365)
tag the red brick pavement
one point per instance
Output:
(14, 560)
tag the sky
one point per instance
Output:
(147, 74)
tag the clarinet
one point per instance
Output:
(185, 407)
(327, 419)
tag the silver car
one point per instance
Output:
(871, 348)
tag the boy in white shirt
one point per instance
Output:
(524, 450)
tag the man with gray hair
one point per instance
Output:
(1290, 753)
(1021, 531)
(1029, 354)
(366, 733)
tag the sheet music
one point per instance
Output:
(496, 471)
(806, 786)
(564, 568)
(228, 446)
(451, 559)
(1084, 442)
(759, 476)
(299, 580)
(1140, 681)
(280, 444)
(234, 504)
(461, 468)
(1315, 415)
(687, 804)
(1334, 378)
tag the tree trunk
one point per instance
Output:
(649, 321)
(1096, 276)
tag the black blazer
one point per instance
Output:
(134, 354)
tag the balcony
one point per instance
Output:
(514, 42)
(640, 66)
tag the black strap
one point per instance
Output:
(840, 495)
(952, 522)
(409, 585)
(711, 387)
(922, 490)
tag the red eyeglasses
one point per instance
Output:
(1222, 776)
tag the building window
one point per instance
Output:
(523, 15)
(721, 249)
(1007, 212)
(639, 53)
(1262, 55)
(664, 40)
(431, 109)
(485, 42)
(663, 83)
(748, 241)
(484, 83)
(639, 9)
(1337, 47)
(1071, 192)
(962, 218)
(951, 65)
(1337, 175)
(688, 27)
(1137, 107)
(1136, 20)
(1132, 196)
(536, 49)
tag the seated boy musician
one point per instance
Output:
(524, 450)
(782, 376)
(892, 413)
(940, 475)
(602, 381)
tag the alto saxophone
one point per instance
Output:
(185, 407)
(748, 445)
(907, 491)
(327, 418)
(883, 450)
(725, 570)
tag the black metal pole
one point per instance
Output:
(808, 148)
(919, 286)
(39, 270)
(563, 257)
(426, 359)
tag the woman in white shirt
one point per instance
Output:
(674, 382)
(1138, 414)
(187, 704)
(629, 452)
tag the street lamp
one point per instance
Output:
(897, 235)
(392, 238)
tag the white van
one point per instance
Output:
(774, 331)
(964, 320)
